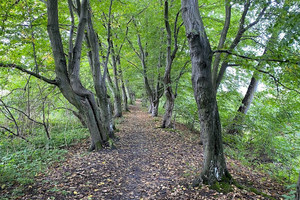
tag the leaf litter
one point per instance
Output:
(148, 163)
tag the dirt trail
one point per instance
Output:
(148, 163)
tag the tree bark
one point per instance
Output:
(99, 80)
(243, 109)
(68, 79)
(167, 118)
(129, 92)
(124, 92)
(116, 87)
(214, 166)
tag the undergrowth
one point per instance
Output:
(21, 161)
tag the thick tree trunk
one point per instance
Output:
(99, 81)
(214, 167)
(298, 189)
(68, 77)
(246, 102)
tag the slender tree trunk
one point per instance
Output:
(117, 94)
(125, 97)
(129, 92)
(170, 56)
(81, 118)
(214, 167)
(118, 104)
(246, 102)
(124, 92)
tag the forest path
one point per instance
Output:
(148, 163)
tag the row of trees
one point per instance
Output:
(122, 44)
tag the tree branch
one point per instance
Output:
(276, 80)
(17, 135)
(19, 67)
(257, 59)
(222, 40)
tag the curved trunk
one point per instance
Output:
(99, 81)
(214, 166)
(67, 77)
(167, 118)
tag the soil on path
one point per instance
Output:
(148, 163)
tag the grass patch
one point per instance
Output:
(223, 187)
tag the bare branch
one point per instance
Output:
(19, 67)
(257, 58)
(22, 112)
(276, 80)
(182, 71)
(13, 133)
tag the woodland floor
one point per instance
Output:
(148, 163)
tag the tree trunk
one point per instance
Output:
(129, 92)
(246, 102)
(99, 81)
(155, 105)
(167, 118)
(125, 97)
(117, 93)
(124, 93)
(118, 104)
(297, 197)
(214, 167)
(68, 79)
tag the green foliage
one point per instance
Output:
(21, 161)
(271, 137)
